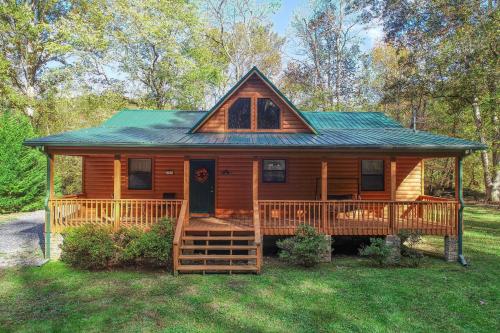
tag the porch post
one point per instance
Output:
(255, 180)
(393, 213)
(393, 178)
(454, 251)
(49, 196)
(256, 214)
(324, 194)
(117, 191)
(186, 180)
(324, 180)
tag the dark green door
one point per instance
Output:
(202, 186)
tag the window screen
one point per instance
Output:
(273, 171)
(139, 174)
(240, 114)
(268, 114)
(372, 175)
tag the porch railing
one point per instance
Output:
(359, 217)
(140, 213)
(182, 221)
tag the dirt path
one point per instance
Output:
(21, 240)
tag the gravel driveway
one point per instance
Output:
(22, 241)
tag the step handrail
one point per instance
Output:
(181, 221)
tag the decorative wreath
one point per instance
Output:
(201, 175)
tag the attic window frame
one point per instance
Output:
(228, 127)
(280, 114)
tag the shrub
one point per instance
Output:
(88, 247)
(305, 248)
(122, 239)
(92, 247)
(22, 169)
(378, 251)
(152, 247)
(409, 242)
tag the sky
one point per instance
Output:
(283, 18)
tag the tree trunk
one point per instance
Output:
(495, 191)
(495, 147)
(30, 93)
(488, 183)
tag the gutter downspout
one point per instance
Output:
(461, 257)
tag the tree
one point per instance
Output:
(35, 41)
(450, 54)
(159, 47)
(29, 41)
(241, 37)
(329, 67)
(22, 169)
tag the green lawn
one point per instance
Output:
(347, 295)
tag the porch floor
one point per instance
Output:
(219, 224)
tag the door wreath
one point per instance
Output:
(201, 175)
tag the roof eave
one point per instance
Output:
(436, 148)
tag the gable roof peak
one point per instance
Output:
(241, 81)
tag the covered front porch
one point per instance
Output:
(334, 201)
(223, 205)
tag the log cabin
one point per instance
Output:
(250, 167)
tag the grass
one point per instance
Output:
(346, 295)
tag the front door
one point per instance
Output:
(202, 186)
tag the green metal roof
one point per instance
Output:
(336, 130)
(186, 119)
(154, 118)
(352, 120)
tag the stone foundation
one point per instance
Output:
(394, 242)
(450, 248)
(326, 256)
(56, 241)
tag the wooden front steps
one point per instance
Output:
(217, 268)
(222, 249)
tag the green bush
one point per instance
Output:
(409, 242)
(305, 248)
(378, 251)
(122, 239)
(88, 247)
(92, 247)
(22, 169)
(152, 247)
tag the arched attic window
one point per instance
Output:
(239, 116)
(268, 114)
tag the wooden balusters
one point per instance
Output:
(358, 217)
(141, 213)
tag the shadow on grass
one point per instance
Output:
(346, 295)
